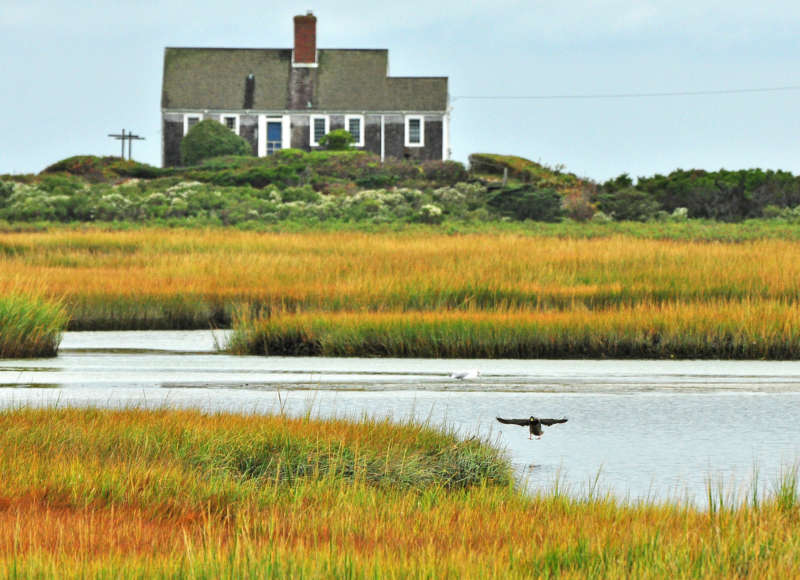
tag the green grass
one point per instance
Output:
(30, 326)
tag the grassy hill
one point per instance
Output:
(291, 186)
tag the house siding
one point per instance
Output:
(248, 130)
(301, 139)
(372, 133)
(172, 132)
(394, 142)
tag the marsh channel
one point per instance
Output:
(637, 429)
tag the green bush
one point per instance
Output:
(445, 172)
(722, 195)
(337, 140)
(523, 203)
(305, 194)
(211, 139)
(6, 189)
(628, 204)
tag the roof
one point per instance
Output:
(345, 80)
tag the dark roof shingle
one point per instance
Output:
(346, 80)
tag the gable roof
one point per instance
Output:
(345, 80)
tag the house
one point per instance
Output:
(280, 98)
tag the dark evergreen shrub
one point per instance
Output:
(211, 139)
(6, 189)
(528, 204)
(628, 204)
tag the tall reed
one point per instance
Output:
(134, 493)
(30, 326)
(717, 329)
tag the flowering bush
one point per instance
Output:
(430, 214)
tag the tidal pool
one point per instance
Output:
(637, 429)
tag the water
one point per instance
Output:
(642, 429)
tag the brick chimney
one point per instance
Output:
(305, 39)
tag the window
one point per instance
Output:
(355, 124)
(319, 128)
(415, 131)
(231, 122)
(190, 120)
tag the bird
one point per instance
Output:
(470, 374)
(535, 424)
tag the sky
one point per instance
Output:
(599, 88)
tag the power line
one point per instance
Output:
(129, 137)
(627, 95)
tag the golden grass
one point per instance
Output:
(157, 278)
(752, 329)
(395, 269)
(144, 493)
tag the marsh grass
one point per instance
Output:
(716, 329)
(30, 326)
(618, 295)
(134, 493)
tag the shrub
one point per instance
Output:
(449, 172)
(304, 193)
(600, 218)
(430, 214)
(679, 214)
(378, 180)
(6, 189)
(628, 204)
(211, 139)
(528, 204)
(578, 205)
(337, 140)
(290, 154)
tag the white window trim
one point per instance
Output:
(186, 117)
(311, 120)
(360, 141)
(421, 119)
(235, 123)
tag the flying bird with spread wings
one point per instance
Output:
(534, 423)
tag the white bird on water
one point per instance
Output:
(462, 375)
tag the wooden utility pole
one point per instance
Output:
(129, 137)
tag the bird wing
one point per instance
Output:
(522, 422)
(549, 422)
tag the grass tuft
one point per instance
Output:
(30, 326)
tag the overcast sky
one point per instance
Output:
(72, 72)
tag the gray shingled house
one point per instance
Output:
(280, 98)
